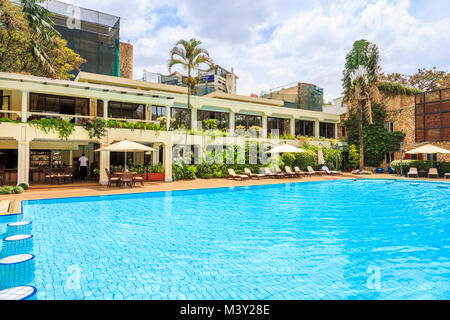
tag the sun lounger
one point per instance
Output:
(299, 172)
(249, 173)
(281, 174)
(233, 175)
(433, 173)
(447, 175)
(311, 171)
(268, 173)
(413, 173)
(289, 172)
(330, 172)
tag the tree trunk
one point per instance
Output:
(361, 136)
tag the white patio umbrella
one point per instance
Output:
(320, 158)
(282, 148)
(126, 146)
(428, 148)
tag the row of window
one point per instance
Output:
(180, 116)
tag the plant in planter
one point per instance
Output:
(95, 127)
(156, 172)
(96, 172)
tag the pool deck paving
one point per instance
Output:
(94, 189)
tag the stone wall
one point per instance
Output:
(126, 60)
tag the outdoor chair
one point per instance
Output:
(68, 174)
(249, 173)
(138, 178)
(268, 173)
(330, 172)
(447, 175)
(413, 173)
(281, 174)
(112, 178)
(299, 172)
(126, 179)
(311, 172)
(2, 176)
(433, 173)
(48, 175)
(288, 171)
(233, 175)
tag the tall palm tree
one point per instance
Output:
(359, 82)
(191, 56)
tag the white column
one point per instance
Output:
(71, 158)
(316, 128)
(264, 122)
(336, 130)
(105, 112)
(194, 119)
(168, 163)
(23, 162)
(292, 126)
(168, 117)
(24, 106)
(104, 164)
(232, 116)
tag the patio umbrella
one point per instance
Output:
(126, 146)
(428, 148)
(320, 159)
(282, 148)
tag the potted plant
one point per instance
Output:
(96, 173)
(156, 172)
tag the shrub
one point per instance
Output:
(287, 159)
(23, 185)
(305, 159)
(18, 189)
(7, 190)
(353, 156)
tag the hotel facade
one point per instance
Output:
(26, 149)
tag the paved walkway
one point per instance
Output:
(94, 189)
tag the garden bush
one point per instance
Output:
(287, 159)
(23, 185)
(305, 159)
(7, 190)
(18, 190)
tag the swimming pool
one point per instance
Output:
(313, 240)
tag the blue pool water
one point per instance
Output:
(316, 240)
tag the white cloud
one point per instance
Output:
(271, 43)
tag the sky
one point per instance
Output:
(272, 43)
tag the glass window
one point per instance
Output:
(221, 117)
(247, 121)
(304, 128)
(326, 130)
(126, 110)
(389, 157)
(280, 124)
(59, 104)
(182, 118)
(389, 126)
(157, 112)
(431, 156)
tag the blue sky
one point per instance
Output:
(271, 43)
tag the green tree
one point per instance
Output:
(353, 156)
(423, 80)
(29, 43)
(359, 82)
(192, 57)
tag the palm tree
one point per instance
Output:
(42, 31)
(359, 82)
(192, 57)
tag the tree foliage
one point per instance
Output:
(423, 80)
(29, 43)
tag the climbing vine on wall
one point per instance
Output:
(64, 128)
(377, 140)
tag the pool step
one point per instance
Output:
(16, 270)
(19, 293)
(19, 227)
(17, 244)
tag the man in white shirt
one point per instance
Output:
(84, 162)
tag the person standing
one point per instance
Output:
(84, 162)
